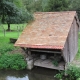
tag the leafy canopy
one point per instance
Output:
(46, 5)
(13, 12)
(57, 5)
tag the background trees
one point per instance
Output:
(75, 6)
(33, 5)
(12, 11)
(57, 5)
(52, 5)
(46, 5)
(19, 11)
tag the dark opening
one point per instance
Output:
(54, 55)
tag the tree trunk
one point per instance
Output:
(8, 27)
(3, 18)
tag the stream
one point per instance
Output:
(35, 74)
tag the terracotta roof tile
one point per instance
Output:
(48, 30)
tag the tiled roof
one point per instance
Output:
(49, 30)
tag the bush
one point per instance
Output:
(73, 73)
(6, 47)
(12, 61)
(59, 76)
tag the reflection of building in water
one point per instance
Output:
(15, 78)
(13, 75)
(42, 74)
(35, 74)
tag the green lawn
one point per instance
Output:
(16, 31)
(13, 26)
(5, 45)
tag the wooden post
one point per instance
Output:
(66, 67)
(4, 32)
(18, 30)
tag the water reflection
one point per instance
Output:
(35, 74)
(14, 78)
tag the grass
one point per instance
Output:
(14, 26)
(4, 40)
(5, 45)
(8, 60)
(78, 54)
(16, 31)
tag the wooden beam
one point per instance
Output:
(46, 51)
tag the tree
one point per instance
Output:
(10, 13)
(75, 6)
(57, 5)
(33, 5)
(46, 5)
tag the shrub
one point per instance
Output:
(6, 47)
(73, 73)
(12, 61)
(59, 76)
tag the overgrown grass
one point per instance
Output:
(8, 60)
(5, 45)
(73, 73)
(12, 61)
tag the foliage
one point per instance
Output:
(18, 3)
(8, 10)
(33, 5)
(46, 5)
(6, 48)
(57, 5)
(73, 73)
(7, 59)
(11, 13)
(78, 79)
(59, 75)
(52, 5)
(78, 54)
(12, 61)
(3, 40)
(55, 62)
(75, 6)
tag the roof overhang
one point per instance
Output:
(49, 30)
(40, 46)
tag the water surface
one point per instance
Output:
(35, 74)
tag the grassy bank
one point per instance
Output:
(7, 59)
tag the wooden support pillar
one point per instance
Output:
(66, 67)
